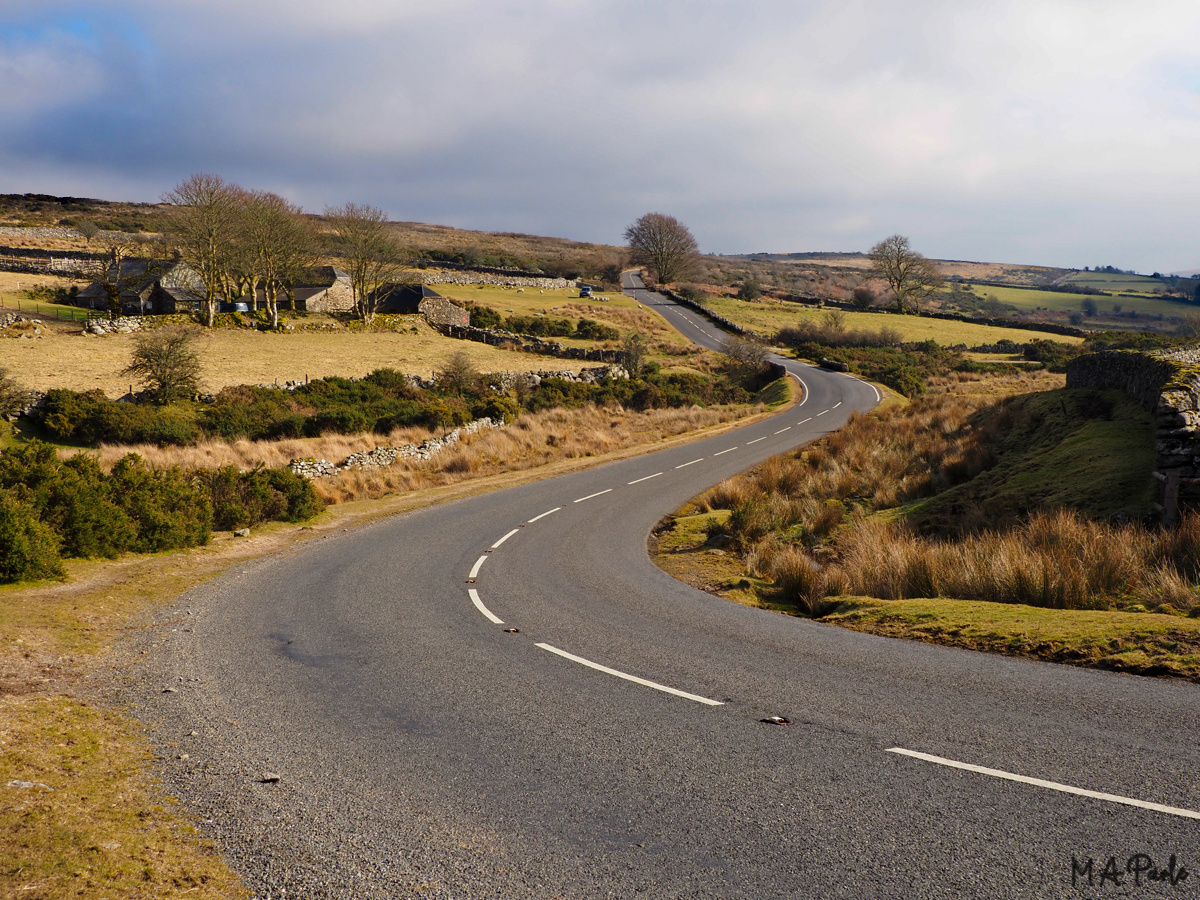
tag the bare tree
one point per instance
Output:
(279, 244)
(87, 230)
(749, 358)
(910, 275)
(633, 354)
(664, 245)
(204, 225)
(370, 254)
(166, 361)
(112, 271)
(458, 375)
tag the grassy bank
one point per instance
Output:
(1011, 525)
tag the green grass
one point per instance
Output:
(1111, 281)
(1140, 643)
(770, 316)
(1027, 299)
(48, 311)
(1059, 451)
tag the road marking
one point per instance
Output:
(597, 494)
(505, 538)
(836, 405)
(483, 609)
(1050, 785)
(806, 391)
(475, 568)
(782, 430)
(822, 412)
(692, 463)
(543, 515)
(642, 681)
(723, 452)
(809, 419)
(647, 478)
(756, 440)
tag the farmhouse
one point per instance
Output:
(147, 286)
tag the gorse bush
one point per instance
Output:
(51, 508)
(381, 402)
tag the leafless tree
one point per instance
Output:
(167, 362)
(111, 271)
(664, 245)
(279, 246)
(369, 253)
(204, 226)
(748, 357)
(910, 275)
(458, 375)
(633, 354)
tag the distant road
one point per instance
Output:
(613, 745)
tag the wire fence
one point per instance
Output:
(46, 310)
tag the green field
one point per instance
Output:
(1031, 299)
(1116, 282)
(770, 316)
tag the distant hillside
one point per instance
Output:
(966, 270)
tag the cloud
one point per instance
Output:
(1057, 132)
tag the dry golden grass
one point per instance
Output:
(241, 356)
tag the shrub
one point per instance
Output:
(586, 329)
(168, 509)
(241, 499)
(28, 549)
(484, 316)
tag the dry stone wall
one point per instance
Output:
(1166, 384)
(310, 467)
(447, 276)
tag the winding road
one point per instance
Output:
(503, 697)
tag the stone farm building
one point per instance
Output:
(413, 299)
(156, 286)
(148, 286)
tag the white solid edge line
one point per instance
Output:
(590, 496)
(723, 452)
(878, 396)
(647, 478)
(782, 430)
(809, 419)
(756, 440)
(505, 538)
(543, 515)
(806, 391)
(483, 609)
(642, 681)
(475, 568)
(836, 405)
(692, 463)
(1050, 785)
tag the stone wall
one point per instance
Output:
(1166, 384)
(336, 298)
(447, 276)
(310, 467)
(440, 311)
(528, 343)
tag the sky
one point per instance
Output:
(1045, 132)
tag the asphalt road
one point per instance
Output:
(424, 749)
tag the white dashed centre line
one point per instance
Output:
(478, 565)
(1050, 785)
(505, 538)
(642, 681)
(836, 405)
(692, 463)
(822, 412)
(543, 515)
(590, 496)
(483, 609)
(782, 430)
(809, 419)
(756, 440)
(723, 452)
(647, 478)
